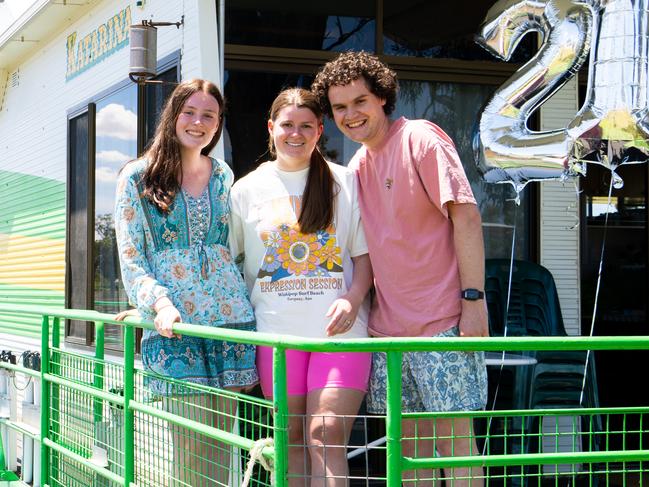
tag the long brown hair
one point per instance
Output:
(163, 174)
(318, 198)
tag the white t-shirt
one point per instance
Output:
(293, 278)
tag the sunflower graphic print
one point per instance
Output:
(291, 253)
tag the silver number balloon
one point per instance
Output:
(507, 151)
(612, 127)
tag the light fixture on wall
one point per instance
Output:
(144, 43)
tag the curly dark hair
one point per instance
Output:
(350, 66)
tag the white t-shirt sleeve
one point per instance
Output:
(227, 171)
(357, 243)
(236, 237)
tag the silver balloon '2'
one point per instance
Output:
(610, 129)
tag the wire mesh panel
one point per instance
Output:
(366, 451)
(186, 438)
(65, 472)
(168, 452)
(562, 447)
(319, 439)
(177, 452)
(88, 426)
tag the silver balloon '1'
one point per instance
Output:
(611, 127)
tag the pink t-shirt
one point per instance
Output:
(404, 186)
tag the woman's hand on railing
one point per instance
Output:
(164, 320)
(122, 315)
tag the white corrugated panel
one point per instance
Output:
(560, 215)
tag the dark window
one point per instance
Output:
(249, 95)
(155, 96)
(329, 26)
(79, 275)
(410, 28)
(614, 243)
(441, 29)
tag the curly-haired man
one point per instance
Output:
(424, 236)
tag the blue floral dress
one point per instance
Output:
(183, 255)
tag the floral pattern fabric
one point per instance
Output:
(432, 381)
(183, 254)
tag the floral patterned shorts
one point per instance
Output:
(432, 381)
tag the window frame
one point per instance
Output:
(86, 236)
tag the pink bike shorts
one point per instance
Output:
(308, 371)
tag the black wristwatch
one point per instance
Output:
(472, 294)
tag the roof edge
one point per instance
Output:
(38, 8)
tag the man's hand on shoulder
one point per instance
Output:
(474, 321)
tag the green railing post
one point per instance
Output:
(3, 461)
(129, 415)
(393, 419)
(280, 400)
(55, 389)
(56, 332)
(99, 368)
(45, 399)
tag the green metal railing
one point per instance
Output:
(81, 395)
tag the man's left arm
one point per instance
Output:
(469, 247)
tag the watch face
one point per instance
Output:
(471, 294)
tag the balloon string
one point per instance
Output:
(597, 288)
(509, 292)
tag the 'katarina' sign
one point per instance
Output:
(109, 37)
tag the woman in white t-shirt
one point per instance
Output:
(295, 227)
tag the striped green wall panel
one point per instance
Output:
(32, 247)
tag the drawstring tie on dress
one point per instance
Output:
(202, 260)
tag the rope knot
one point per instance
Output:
(256, 455)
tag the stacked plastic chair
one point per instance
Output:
(525, 317)
(555, 381)
(508, 385)
(534, 308)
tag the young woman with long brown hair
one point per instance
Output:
(171, 220)
(296, 229)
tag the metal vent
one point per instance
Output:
(14, 79)
(5, 87)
